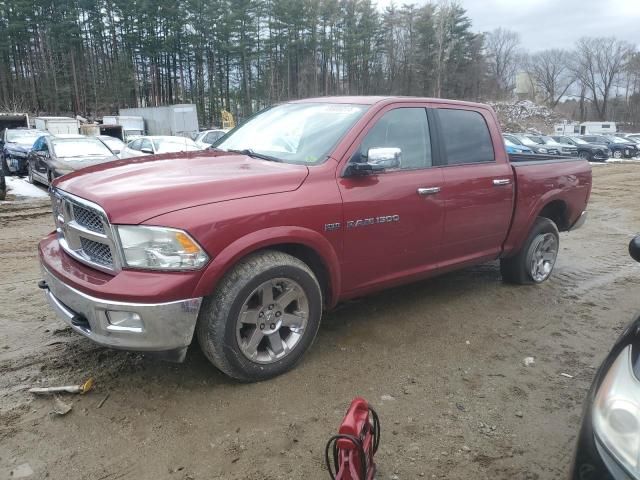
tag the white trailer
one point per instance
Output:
(58, 125)
(598, 128)
(566, 129)
(180, 120)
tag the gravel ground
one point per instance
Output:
(441, 361)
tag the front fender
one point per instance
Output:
(266, 238)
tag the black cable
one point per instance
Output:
(376, 429)
(333, 441)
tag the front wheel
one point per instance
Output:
(262, 318)
(4, 166)
(30, 178)
(617, 154)
(584, 155)
(535, 261)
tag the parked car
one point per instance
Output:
(550, 143)
(586, 150)
(520, 139)
(54, 156)
(608, 447)
(515, 148)
(246, 244)
(114, 144)
(152, 145)
(207, 138)
(620, 148)
(16, 143)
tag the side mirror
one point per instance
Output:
(388, 157)
(147, 150)
(634, 248)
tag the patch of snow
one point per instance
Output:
(624, 160)
(19, 187)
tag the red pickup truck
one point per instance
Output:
(306, 204)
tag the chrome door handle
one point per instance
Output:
(428, 190)
(501, 181)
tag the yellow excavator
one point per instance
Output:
(227, 120)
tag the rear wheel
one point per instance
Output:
(535, 261)
(584, 155)
(262, 317)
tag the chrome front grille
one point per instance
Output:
(84, 232)
(97, 252)
(88, 218)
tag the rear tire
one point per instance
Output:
(535, 261)
(248, 329)
(584, 155)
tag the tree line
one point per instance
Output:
(91, 57)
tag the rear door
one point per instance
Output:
(393, 220)
(478, 186)
(40, 156)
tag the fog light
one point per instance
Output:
(124, 321)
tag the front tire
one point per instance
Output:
(535, 261)
(617, 154)
(30, 178)
(4, 166)
(262, 317)
(584, 155)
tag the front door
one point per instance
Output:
(392, 220)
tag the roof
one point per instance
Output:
(372, 100)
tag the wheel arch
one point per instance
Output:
(307, 245)
(556, 211)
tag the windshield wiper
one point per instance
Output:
(254, 154)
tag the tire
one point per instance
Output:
(3, 186)
(227, 341)
(617, 154)
(30, 178)
(521, 269)
(584, 155)
(4, 166)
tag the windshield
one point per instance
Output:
(509, 143)
(546, 139)
(580, 141)
(79, 147)
(537, 140)
(528, 141)
(294, 132)
(113, 143)
(619, 140)
(177, 144)
(24, 137)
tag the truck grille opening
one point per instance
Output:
(97, 252)
(88, 219)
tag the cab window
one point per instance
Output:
(406, 129)
(466, 137)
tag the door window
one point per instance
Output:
(466, 137)
(212, 137)
(135, 145)
(406, 129)
(146, 143)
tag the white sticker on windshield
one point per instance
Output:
(341, 109)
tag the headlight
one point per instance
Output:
(159, 248)
(616, 412)
(543, 150)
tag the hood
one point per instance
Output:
(137, 189)
(14, 147)
(77, 163)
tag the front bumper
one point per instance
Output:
(165, 327)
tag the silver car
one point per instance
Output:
(154, 145)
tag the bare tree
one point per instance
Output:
(598, 64)
(502, 48)
(551, 74)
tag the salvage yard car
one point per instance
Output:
(54, 156)
(551, 143)
(620, 147)
(586, 150)
(306, 204)
(525, 141)
(152, 145)
(16, 144)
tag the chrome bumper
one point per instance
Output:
(580, 222)
(165, 327)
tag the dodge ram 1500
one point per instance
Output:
(306, 204)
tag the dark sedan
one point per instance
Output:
(609, 440)
(620, 147)
(52, 157)
(16, 143)
(586, 150)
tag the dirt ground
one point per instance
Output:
(440, 360)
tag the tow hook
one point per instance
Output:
(42, 284)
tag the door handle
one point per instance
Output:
(497, 182)
(428, 190)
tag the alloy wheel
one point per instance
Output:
(543, 258)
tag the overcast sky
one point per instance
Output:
(546, 24)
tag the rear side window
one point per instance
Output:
(135, 145)
(466, 137)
